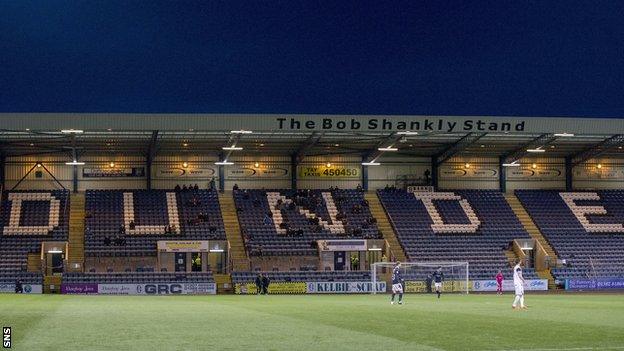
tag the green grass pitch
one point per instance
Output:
(313, 322)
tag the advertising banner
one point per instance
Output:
(594, 284)
(529, 285)
(274, 288)
(447, 286)
(158, 289)
(242, 172)
(183, 245)
(344, 287)
(606, 172)
(79, 289)
(549, 172)
(203, 171)
(104, 172)
(313, 288)
(483, 172)
(26, 288)
(334, 172)
(342, 245)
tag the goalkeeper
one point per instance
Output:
(397, 283)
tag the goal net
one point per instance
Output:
(418, 276)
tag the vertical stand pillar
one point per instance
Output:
(568, 173)
(502, 175)
(293, 171)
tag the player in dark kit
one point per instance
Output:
(438, 278)
(397, 283)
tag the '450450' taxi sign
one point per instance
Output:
(329, 172)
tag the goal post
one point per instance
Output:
(417, 276)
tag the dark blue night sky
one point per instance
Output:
(538, 58)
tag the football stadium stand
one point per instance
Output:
(28, 218)
(288, 222)
(142, 217)
(473, 226)
(584, 228)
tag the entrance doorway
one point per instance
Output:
(54, 263)
(196, 262)
(339, 260)
(180, 262)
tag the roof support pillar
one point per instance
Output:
(502, 175)
(294, 161)
(568, 173)
(364, 175)
(221, 173)
(434, 172)
(2, 172)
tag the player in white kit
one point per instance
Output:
(519, 286)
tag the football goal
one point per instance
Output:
(419, 277)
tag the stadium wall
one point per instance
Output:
(397, 170)
(275, 172)
(548, 173)
(169, 171)
(272, 172)
(599, 173)
(469, 173)
(344, 180)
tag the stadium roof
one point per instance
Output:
(41, 134)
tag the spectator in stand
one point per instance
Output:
(235, 187)
(177, 188)
(184, 187)
(212, 183)
(499, 283)
(132, 225)
(18, 286)
(265, 284)
(427, 176)
(259, 284)
(359, 188)
(196, 187)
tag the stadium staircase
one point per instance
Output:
(34, 262)
(383, 223)
(76, 233)
(52, 284)
(512, 258)
(240, 260)
(224, 283)
(535, 233)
